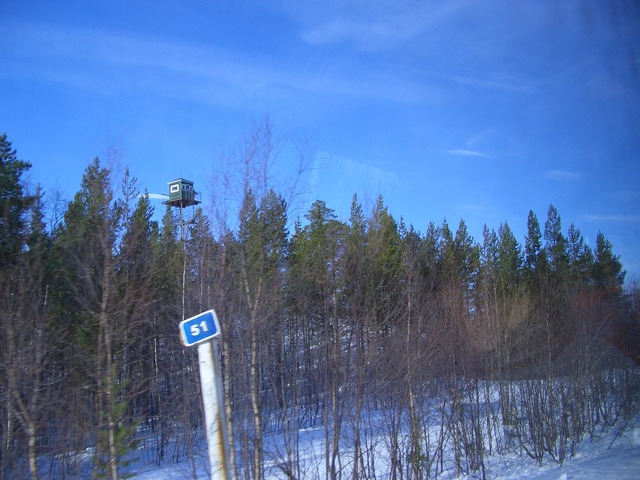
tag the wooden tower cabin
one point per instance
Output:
(182, 194)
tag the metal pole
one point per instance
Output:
(184, 262)
(214, 413)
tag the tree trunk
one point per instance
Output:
(255, 404)
(254, 377)
(108, 367)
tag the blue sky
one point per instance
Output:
(473, 110)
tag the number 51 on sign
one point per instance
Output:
(199, 328)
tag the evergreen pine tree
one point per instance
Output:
(14, 202)
(92, 224)
(385, 266)
(535, 260)
(580, 258)
(607, 274)
(509, 259)
(556, 245)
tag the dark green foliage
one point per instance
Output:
(125, 439)
(580, 257)
(384, 268)
(535, 259)
(607, 270)
(459, 256)
(14, 202)
(314, 252)
(509, 262)
(90, 228)
(556, 245)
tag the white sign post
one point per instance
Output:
(204, 330)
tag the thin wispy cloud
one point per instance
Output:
(353, 172)
(113, 63)
(626, 195)
(473, 207)
(501, 84)
(562, 175)
(466, 153)
(372, 25)
(611, 218)
(340, 178)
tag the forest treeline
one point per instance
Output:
(450, 349)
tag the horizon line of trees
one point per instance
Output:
(462, 349)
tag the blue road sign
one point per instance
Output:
(199, 328)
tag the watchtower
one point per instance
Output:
(181, 193)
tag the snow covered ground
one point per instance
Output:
(614, 456)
